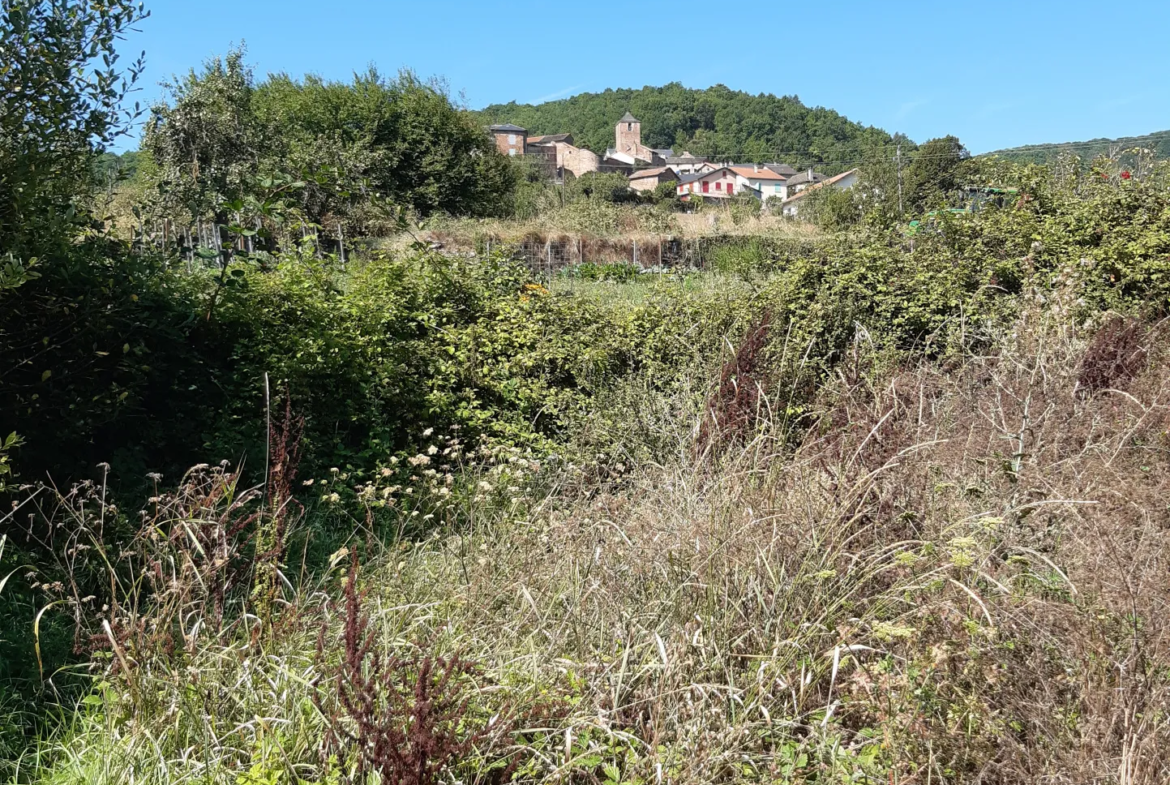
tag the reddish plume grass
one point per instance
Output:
(407, 719)
(733, 411)
(1114, 356)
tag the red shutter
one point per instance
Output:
(706, 187)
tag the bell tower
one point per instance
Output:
(628, 135)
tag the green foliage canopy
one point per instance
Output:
(717, 122)
(351, 144)
(61, 92)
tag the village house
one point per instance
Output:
(720, 183)
(798, 182)
(649, 179)
(781, 169)
(620, 163)
(688, 164)
(761, 180)
(648, 167)
(844, 181)
(551, 139)
(577, 160)
(510, 139)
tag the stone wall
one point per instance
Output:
(577, 160)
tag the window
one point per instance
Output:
(718, 186)
(778, 187)
(511, 138)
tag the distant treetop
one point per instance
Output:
(1158, 142)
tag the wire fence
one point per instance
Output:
(546, 257)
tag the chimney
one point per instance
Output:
(755, 167)
(810, 174)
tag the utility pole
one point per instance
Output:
(900, 210)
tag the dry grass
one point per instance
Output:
(956, 577)
(718, 222)
(642, 224)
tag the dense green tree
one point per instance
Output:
(717, 122)
(352, 144)
(206, 142)
(832, 209)
(935, 171)
(605, 186)
(61, 92)
(920, 179)
(112, 168)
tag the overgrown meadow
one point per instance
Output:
(851, 505)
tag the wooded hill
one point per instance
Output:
(1159, 142)
(717, 121)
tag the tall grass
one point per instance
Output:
(957, 575)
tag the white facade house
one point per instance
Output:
(689, 164)
(844, 181)
(767, 183)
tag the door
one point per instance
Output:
(706, 187)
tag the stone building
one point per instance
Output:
(577, 160)
(628, 142)
(628, 154)
(649, 179)
(510, 139)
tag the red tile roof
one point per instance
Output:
(764, 173)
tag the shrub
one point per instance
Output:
(589, 271)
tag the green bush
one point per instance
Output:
(588, 271)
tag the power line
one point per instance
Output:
(852, 149)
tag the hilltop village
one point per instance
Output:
(779, 186)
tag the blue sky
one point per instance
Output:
(994, 73)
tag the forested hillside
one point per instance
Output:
(717, 121)
(1158, 142)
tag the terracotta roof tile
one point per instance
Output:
(764, 173)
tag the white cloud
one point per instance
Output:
(905, 109)
(556, 95)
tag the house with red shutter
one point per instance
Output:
(720, 183)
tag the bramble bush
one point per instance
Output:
(375, 353)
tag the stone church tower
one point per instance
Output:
(628, 136)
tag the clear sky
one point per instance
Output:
(994, 73)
